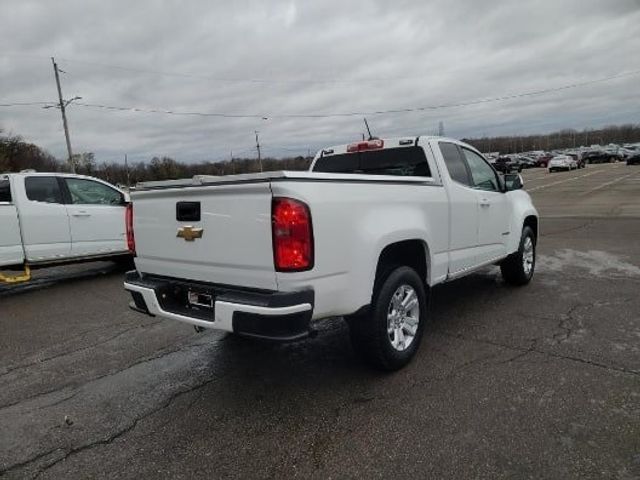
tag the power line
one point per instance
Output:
(25, 104)
(356, 113)
(376, 112)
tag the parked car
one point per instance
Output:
(54, 218)
(527, 162)
(364, 234)
(507, 165)
(633, 159)
(562, 162)
(543, 161)
(629, 151)
(598, 156)
(578, 159)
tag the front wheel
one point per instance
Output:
(389, 336)
(518, 268)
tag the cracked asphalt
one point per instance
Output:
(534, 382)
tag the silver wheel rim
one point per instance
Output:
(403, 316)
(527, 256)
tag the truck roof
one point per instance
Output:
(390, 142)
(32, 173)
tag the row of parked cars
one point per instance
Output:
(565, 159)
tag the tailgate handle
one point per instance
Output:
(188, 211)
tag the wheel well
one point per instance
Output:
(412, 253)
(532, 222)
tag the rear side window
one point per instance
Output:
(43, 189)
(402, 162)
(5, 191)
(455, 163)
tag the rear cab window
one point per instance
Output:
(456, 165)
(399, 161)
(43, 189)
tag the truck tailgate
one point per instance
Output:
(235, 247)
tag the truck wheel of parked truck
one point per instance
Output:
(518, 268)
(386, 337)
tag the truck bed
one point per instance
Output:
(235, 218)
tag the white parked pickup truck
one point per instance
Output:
(364, 234)
(53, 218)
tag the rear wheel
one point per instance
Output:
(518, 268)
(390, 334)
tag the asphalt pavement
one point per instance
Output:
(535, 382)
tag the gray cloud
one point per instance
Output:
(294, 57)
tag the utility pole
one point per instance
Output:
(64, 116)
(258, 148)
(126, 167)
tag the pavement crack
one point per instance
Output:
(144, 360)
(71, 352)
(547, 353)
(522, 353)
(109, 439)
(565, 324)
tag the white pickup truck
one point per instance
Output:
(364, 234)
(54, 218)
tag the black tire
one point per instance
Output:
(369, 335)
(513, 267)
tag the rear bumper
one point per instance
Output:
(282, 316)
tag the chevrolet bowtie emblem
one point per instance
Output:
(190, 233)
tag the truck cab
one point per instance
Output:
(51, 218)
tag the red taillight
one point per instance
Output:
(128, 220)
(292, 235)
(366, 145)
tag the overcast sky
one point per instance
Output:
(279, 58)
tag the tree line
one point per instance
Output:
(567, 138)
(17, 155)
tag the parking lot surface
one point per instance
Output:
(534, 382)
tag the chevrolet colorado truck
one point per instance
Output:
(54, 218)
(364, 234)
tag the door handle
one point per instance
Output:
(485, 203)
(81, 214)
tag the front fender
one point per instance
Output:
(522, 207)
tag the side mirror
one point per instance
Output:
(513, 181)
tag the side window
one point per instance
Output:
(455, 163)
(5, 191)
(88, 192)
(483, 176)
(43, 189)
